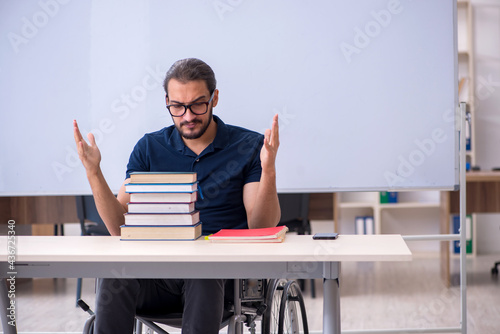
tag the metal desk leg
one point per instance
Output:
(331, 298)
(5, 304)
(238, 317)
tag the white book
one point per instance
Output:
(162, 218)
(186, 197)
(160, 207)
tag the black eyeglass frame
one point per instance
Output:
(188, 106)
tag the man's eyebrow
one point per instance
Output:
(194, 101)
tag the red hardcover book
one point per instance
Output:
(269, 234)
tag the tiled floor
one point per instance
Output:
(373, 296)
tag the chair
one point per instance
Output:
(295, 212)
(494, 270)
(87, 211)
(295, 215)
(276, 303)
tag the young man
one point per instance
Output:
(236, 174)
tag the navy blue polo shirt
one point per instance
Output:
(223, 168)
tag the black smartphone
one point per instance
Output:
(325, 236)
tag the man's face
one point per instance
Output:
(190, 125)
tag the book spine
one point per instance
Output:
(369, 225)
(359, 225)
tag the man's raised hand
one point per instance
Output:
(88, 154)
(270, 147)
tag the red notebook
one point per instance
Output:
(269, 234)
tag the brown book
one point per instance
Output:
(161, 232)
(162, 177)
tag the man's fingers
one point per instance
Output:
(267, 137)
(80, 143)
(76, 132)
(275, 132)
(91, 138)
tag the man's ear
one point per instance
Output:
(166, 99)
(215, 100)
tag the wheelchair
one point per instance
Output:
(276, 303)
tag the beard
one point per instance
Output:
(189, 134)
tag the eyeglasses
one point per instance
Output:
(198, 108)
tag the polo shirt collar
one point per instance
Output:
(220, 140)
(222, 136)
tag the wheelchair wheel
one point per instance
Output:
(89, 325)
(270, 318)
(292, 315)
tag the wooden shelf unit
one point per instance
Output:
(371, 201)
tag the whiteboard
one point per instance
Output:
(366, 90)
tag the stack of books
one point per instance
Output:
(162, 207)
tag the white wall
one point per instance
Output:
(487, 92)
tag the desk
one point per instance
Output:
(297, 257)
(483, 196)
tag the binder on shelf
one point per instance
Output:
(359, 227)
(468, 132)
(388, 197)
(463, 89)
(369, 225)
(364, 225)
(468, 233)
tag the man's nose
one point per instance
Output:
(189, 116)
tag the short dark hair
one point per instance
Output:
(191, 69)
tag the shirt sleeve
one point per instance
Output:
(254, 168)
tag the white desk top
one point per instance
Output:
(295, 248)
